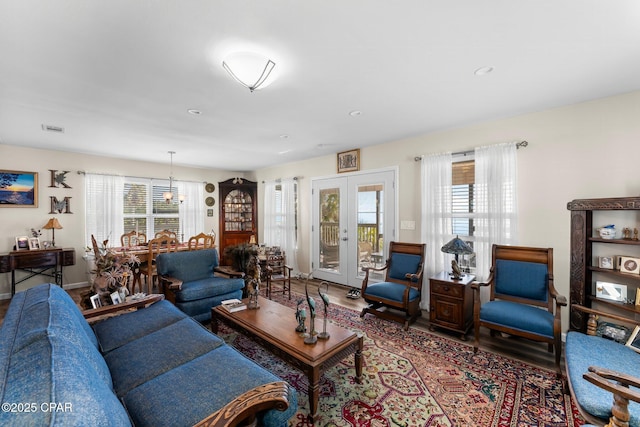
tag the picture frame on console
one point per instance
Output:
(18, 189)
(95, 301)
(349, 161)
(34, 244)
(22, 243)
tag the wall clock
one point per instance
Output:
(210, 201)
(210, 188)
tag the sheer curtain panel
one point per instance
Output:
(436, 215)
(280, 227)
(191, 209)
(104, 208)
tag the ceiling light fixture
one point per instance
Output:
(194, 112)
(355, 113)
(168, 195)
(251, 70)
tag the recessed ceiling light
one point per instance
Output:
(52, 128)
(482, 71)
(284, 152)
(194, 112)
(284, 136)
(355, 113)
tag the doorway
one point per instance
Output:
(353, 220)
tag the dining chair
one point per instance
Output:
(155, 247)
(278, 272)
(200, 241)
(166, 232)
(132, 238)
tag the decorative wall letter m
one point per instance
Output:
(60, 206)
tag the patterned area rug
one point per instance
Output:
(414, 378)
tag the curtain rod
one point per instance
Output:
(295, 178)
(135, 177)
(519, 145)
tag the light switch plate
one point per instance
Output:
(407, 225)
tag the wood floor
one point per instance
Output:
(513, 347)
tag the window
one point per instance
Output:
(145, 209)
(463, 206)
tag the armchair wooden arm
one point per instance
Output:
(244, 409)
(170, 282)
(621, 392)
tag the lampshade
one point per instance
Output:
(250, 69)
(457, 246)
(53, 224)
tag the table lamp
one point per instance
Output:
(53, 224)
(457, 247)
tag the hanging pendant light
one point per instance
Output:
(168, 195)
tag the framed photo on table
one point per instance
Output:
(34, 244)
(22, 243)
(18, 189)
(349, 161)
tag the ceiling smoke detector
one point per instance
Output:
(52, 128)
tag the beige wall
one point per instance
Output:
(18, 221)
(585, 150)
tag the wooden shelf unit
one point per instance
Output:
(238, 214)
(582, 269)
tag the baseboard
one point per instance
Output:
(77, 285)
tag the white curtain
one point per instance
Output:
(104, 208)
(496, 202)
(191, 209)
(280, 219)
(436, 215)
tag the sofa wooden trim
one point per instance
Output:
(615, 382)
(243, 409)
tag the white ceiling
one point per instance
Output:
(120, 75)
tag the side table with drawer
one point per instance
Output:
(451, 303)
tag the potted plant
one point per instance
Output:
(240, 255)
(111, 272)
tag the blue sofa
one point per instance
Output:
(152, 367)
(188, 281)
(583, 351)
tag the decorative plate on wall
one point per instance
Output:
(210, 201)
(210, 188)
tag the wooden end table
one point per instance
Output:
(451, 303)
(273, 326)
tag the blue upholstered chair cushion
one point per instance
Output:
(390, 290)
(119, 330)
(47, 356)
(204, 288)
(582, 351)
(518, 316)
(188, 265)
(521, 279)
(401, 264)
(151, 405)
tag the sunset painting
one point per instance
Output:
(18, 189)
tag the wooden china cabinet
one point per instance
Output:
(238, 213)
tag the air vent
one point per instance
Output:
(51, 128)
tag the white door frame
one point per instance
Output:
(348, 184)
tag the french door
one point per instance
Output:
(354, 218)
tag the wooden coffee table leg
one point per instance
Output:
(314, 376)
(358, 359)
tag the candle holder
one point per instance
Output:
(324, 335)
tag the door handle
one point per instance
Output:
(345, 238)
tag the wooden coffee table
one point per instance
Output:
(273, 326)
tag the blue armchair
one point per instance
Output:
(401, 289)
(523, 300)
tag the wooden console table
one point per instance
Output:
(43, 262)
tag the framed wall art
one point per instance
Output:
(349, 161)
(18, 189)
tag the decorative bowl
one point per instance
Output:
(607, 232)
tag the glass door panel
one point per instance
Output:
(330, 229)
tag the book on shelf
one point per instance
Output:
(233, 305)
